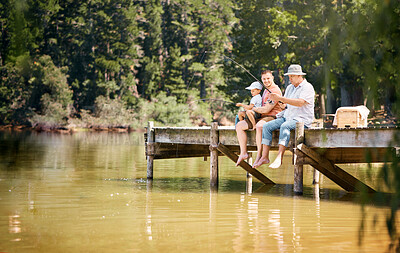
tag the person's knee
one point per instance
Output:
(284, 129)
(259, 125)
(241, 126)
(249, 112)
(287, 126)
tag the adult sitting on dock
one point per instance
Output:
(268, 112)
(299, 97)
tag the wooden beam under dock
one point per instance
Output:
(257, 174)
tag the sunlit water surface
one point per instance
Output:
(88, 192)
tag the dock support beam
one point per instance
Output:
(224, 150)
(214, 155)
(150, 143)
(334, 172)
(298, 168)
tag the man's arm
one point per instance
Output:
(291, 101)
(264, 109)
(246, 107)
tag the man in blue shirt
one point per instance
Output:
(299, 98)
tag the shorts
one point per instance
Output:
(267, 118)
(258, 117)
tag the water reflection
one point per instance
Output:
(149, 187)
(14, 224)
(275, 227)
(317, 206)
(249, 184)
(89, 192)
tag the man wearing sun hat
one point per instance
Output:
(299, 98)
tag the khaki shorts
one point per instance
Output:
(266, 118)
(258, 117)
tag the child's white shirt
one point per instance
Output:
(256, 100)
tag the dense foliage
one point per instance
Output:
(59, 58)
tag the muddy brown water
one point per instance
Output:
(88, 192)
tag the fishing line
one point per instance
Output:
(195, 71)
(212, 99)
(280, 102)
(238, 64)
(233, 62)
(241, 67)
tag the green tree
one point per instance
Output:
(51, 96)
(4, 38)
(373, 56)
(153, 60)
(174, 83)
(265, 38)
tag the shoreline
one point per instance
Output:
(70, 130)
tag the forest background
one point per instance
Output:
(122, 62)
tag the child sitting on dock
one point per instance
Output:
(256, 101)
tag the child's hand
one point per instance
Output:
(239, 104)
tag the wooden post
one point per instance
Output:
(249, 177)
(150, 143)
(298, 168)
(316, 177)
(322, 111)
(214, 155)
(249, 161)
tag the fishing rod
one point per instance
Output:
(212, 99)
(242, 68)
(279, 102)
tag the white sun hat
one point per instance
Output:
(254, 85)
(295, 69)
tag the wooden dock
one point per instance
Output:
(321, 148)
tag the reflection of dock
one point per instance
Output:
(321, 148)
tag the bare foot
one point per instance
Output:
(276, 164)
(241, 158)
(257, 159)
(261, 162)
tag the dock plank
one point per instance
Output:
(350, 138)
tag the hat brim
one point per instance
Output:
(252, 88)
(295, 74)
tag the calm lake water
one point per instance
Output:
(88, 192)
